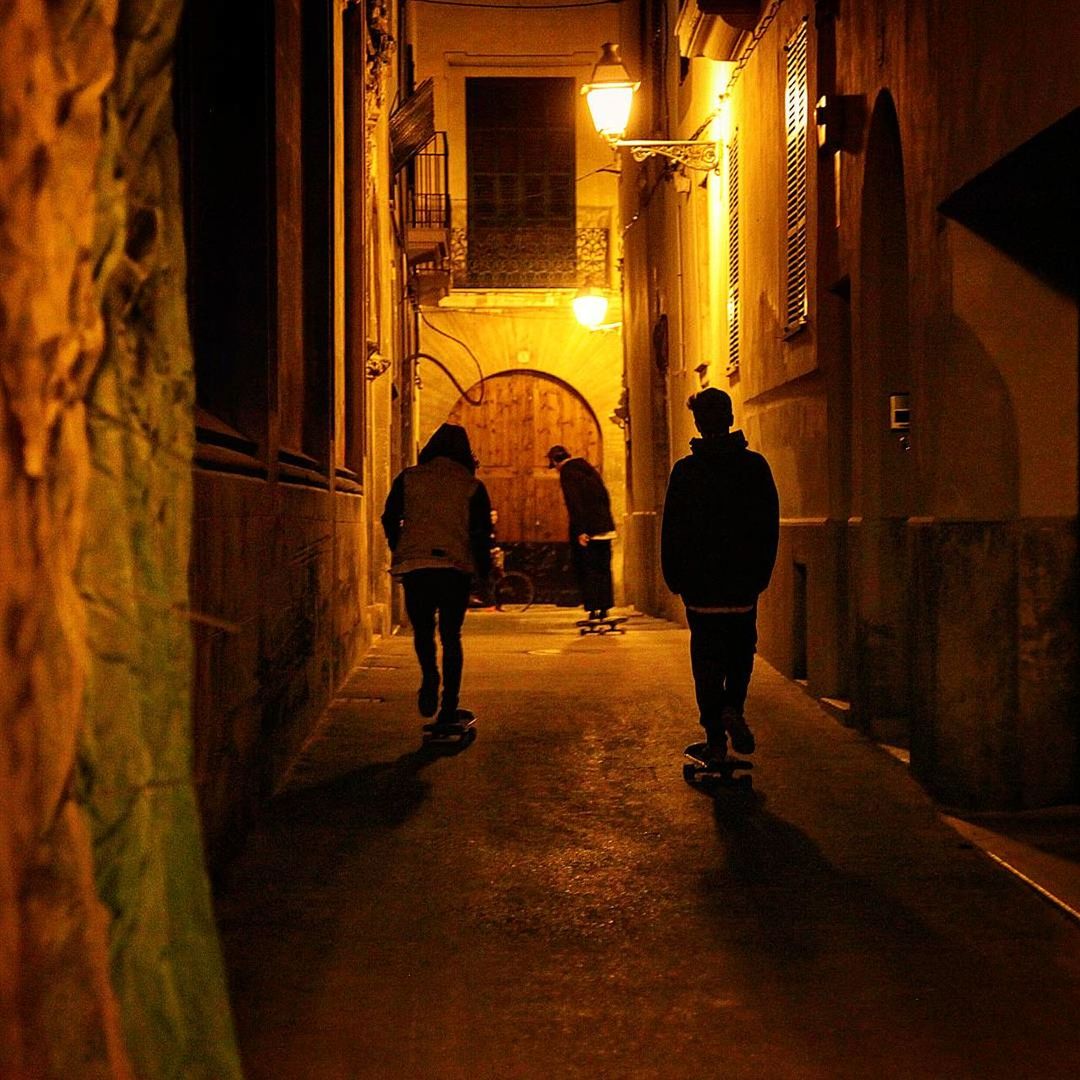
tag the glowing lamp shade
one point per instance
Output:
(590, 307)
(610, 93)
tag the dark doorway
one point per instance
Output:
(799, 624)
(884, 480)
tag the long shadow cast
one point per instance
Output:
(306, 835)
(850, 956)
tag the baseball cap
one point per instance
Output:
(556, 454)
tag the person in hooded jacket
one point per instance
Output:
(718, 540)
(437, 521)
(592, 528)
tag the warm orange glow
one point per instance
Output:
(610, 93)
(590, 307)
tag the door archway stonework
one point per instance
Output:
(522, 415)
(522, 337)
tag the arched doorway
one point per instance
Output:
(883, 465)
(523, 413)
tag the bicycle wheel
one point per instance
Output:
(513, 591)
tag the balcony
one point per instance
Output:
(428, 221)
(533, 256)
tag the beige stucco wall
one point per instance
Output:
(1028, 333)
(967, 535)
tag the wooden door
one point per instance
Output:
(523, 414)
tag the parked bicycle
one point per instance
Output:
(507, 590)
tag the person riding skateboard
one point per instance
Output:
(437, 521)
(718, 541)
(592, 528)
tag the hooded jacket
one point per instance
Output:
(438, 515)
(721, 524)
(588, 505)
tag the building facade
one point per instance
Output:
(202, 333)
(876, 272)
(533, 200)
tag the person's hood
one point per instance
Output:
(449, 441)
(718, 446)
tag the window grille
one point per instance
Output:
(520, 167)
(733, 255)
(796, 101)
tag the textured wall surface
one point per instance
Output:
(58, 1014)
(109, 960)
(280, 569)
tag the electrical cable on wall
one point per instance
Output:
(457, 341)
(450, 375)
(741, 63)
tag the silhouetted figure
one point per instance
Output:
(718, 545)
(592, 528)
(437, 521)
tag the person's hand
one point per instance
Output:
(583, 539)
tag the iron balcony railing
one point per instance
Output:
(429, 185)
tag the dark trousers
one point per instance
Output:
(446, 593)
(722, 650)
(592, 566)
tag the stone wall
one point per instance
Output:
(109, 958)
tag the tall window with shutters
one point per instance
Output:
(733, 255)
(796, 103)
(520, 167)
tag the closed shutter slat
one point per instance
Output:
(795, 300)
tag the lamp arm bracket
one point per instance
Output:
(703, 154)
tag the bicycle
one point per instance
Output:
(508, 590)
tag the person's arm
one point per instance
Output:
(573, 496)
(394, 511)
(770, 525)
(480, 530)
(600, 519)
(673, 537)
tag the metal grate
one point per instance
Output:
(429, 188)
(796, 102)
(733, 255)
(521, 187)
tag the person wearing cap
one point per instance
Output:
(718, 541)
(592, 528)
(437, 521)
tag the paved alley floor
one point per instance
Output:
(555, 901)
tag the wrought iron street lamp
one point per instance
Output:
(610, 94)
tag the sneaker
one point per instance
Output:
(742, 738)
(453, 717)
(427, 699)
(716, 741)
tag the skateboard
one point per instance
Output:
(703, 767)
(611, 625)
(462, 730)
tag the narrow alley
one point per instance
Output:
(555, 901)
(756, 320)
